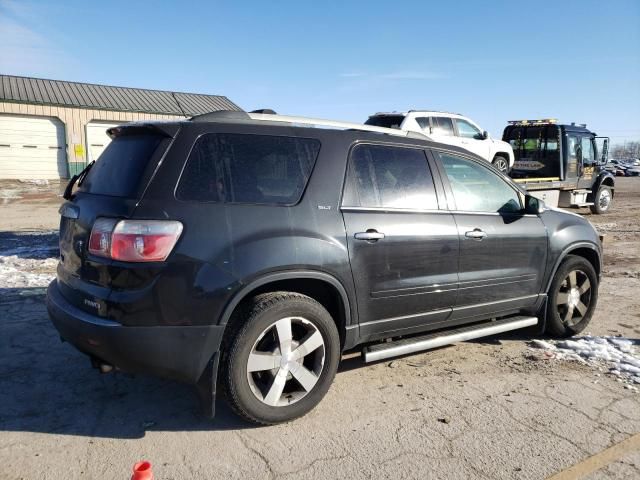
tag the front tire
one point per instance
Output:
(602, 200)
(572, 297)
(281, 357)
(501, 163)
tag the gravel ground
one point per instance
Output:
(495, 408)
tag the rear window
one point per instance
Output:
(239, 168)
(386, 121)
(119, 169)
(536, 149)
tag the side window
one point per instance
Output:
(389, 177)
(465, 129)
(478, 189)
(573, 153)
(237, 168)
(588, 154)
(424, 123)
(443, 126)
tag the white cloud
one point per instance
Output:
(399, 75)
(352, 75)
(24, 51)
(412, 76)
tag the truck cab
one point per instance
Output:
(562, 164)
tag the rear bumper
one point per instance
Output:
(176, 352)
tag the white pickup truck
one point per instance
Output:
(452, 129)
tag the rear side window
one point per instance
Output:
(424, 123)
(119, 170)
(239, 168)
(389, 177)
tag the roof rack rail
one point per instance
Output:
(220, 115)
(317, 122)
(542, 121)
(413, 110)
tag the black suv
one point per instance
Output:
(250, 250)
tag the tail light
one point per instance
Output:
(134, 240)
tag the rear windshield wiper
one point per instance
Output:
(76, 178)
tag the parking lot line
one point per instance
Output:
(599, 460)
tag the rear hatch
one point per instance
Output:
(112, 188)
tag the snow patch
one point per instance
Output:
(36, 181)
(30, 264)
(16, 272)
(618, 354)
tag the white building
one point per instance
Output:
(50, 129)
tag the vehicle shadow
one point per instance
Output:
(47, 386)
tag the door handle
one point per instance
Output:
(370, 235)
(476, 234)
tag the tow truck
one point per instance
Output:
(562, 164)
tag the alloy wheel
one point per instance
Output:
(286, 361)
(501, 164)
(574, 297)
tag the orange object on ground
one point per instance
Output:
(142, 471)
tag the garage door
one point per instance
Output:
(97, 138)
(32, 148)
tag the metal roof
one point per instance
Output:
(102, 97)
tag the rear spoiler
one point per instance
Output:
(166, 129)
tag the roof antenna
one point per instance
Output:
(173, 94)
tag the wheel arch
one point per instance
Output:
(586, 250)
(607, 180)
(322, 287)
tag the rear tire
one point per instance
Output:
(572, 297)
(268, 378)
(501, 163)
(602, 200)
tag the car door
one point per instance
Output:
(586, 161)
(471, 138)
(403, 248)
(502, 250)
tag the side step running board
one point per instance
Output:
(435, 340)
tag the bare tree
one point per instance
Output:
(627, 151)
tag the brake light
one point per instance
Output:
(100, 238)
(134, 240)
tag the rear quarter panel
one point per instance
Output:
(224, 247)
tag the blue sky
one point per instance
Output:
(493, 61)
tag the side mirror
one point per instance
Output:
(605, 151)
(485, 135)
(533, 205)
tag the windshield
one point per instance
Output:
(119, 169)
